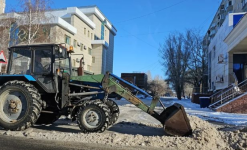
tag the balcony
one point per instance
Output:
(100, 42)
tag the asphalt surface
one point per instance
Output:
(22, 143)
(16, 143)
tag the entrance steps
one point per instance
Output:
(233, 99)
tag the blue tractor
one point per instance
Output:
(39, 87)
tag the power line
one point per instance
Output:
(140, 39)
(151, 65)
(152, 12)
(206, 20)
(145, 34)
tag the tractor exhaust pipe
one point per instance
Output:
(80, 69)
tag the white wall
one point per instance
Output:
(220, 48)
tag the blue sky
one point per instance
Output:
(143, 25)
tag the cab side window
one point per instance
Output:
(42, 61)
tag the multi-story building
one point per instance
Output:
(2, 6)
(138, 79)
(225, 42)
(87, 30)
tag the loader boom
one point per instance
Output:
(110, 85)
(173, 118)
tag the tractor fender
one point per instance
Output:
(6, 78)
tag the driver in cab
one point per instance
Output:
(38, 66)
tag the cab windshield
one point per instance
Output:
(62, 63)
(21, 60)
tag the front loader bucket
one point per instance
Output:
(175, 121)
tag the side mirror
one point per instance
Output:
(60, 50)
(61, 53)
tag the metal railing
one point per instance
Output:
(229, 94)
(225, 92)
(218, 95)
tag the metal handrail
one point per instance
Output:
(242, 82)
(236, 81)
(232, 94)
(222, 99)
(226, 91)
(219, 91)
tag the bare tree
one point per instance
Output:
(5, 33)
(32, 20)
(196, 73)
(30, 24)
(149, 76)
(157, 86)
(175, 60)
(188, 89)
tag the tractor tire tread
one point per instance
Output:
(97, 103)
(35, 108)
(114, 111)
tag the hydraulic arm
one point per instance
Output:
(173, 118)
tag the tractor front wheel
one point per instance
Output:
(20, 105)
(114, 111)
(93, 116)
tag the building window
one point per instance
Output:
(244, 2)
(88, 33)
(89, 51)
(93, 59)
(81, 46)
(85, 30)
(91, 36)
(103, 30)
(74, 43)
(230, 3)
(45, 31)
(67, 39)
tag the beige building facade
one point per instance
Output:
(86, 29)
(2, 6)
(90, 33)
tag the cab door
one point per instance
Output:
(43, 68)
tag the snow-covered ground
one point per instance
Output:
(194, 109)
(138, 129)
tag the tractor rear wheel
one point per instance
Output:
(114, 111)
(20, 105)
(93, 116)
(47, 118)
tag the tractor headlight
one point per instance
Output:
(60, 50)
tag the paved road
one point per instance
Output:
(16, 143)
(22, 143)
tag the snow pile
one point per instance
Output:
(138, 129)
(205, 136)
(237, 139)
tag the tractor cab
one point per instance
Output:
(41, 62)
(38, 59)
